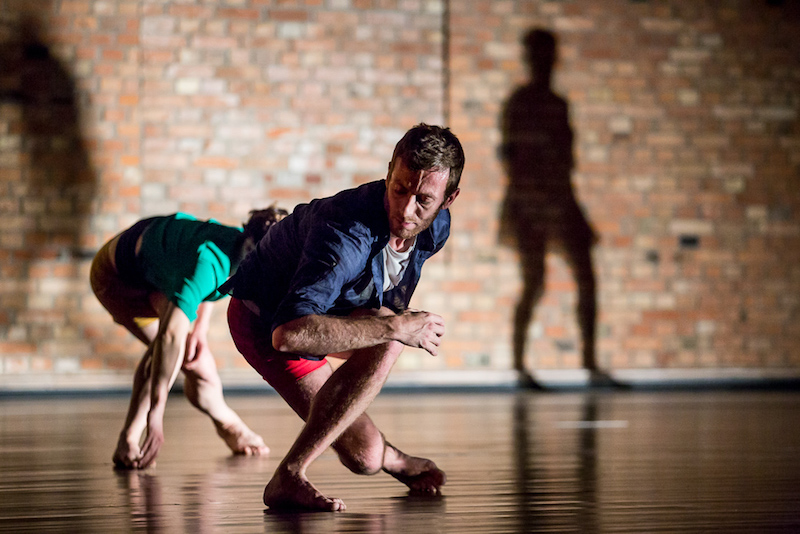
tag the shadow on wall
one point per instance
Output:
(540, 210)
(46, 177)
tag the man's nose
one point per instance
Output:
(409, 208)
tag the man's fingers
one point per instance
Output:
(436, 319)
(436, 330)
(425, 330)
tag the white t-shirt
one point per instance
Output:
(394, 265)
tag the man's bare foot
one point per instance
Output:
(241, 440)
(419, 474)
(290, 491)
(127, 454)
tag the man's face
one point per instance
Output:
(414, 198)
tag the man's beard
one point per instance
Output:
(421, 226)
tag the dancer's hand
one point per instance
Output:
(422, 330)
(197, 340)
(195, 346)
(152, 443)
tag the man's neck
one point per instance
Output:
(399, 244)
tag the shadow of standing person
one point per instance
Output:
(47, 176)
(60, 179)
(540, 209)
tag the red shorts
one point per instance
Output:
(253, 339)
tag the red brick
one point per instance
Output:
(288, 15)
(263, 99)
(238, 13)
(217, 162)
(9, 348)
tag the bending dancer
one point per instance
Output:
(335, 278)
(155, 279)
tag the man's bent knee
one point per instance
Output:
(361, 448)
(365, 462)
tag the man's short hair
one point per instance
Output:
(426, 147)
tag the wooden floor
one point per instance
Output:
(708, 461)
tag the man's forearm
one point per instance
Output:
(318, 335)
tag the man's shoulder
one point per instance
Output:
(357, 208)
(364, 195)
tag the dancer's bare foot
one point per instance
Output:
(291, 491)
(241, 440)
(419, 474)
(127, 455)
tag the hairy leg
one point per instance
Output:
(419, 474)
(340, 400)
(203, 388)
(361, 446)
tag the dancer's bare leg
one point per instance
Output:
(145, 329)
(419, 474)
(333, 404)
(363, 449)
(127, 451)
(203, 388)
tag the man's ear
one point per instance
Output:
(449, 200)
(389, 172)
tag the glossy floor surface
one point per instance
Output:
(516, 462)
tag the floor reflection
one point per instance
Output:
(516, 463)
(542, 483)
(144, 496)
(410, 513)
(177, 499)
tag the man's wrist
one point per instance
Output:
(390, 323)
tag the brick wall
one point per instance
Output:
(686, 147)
(686, 127)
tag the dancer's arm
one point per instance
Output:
(198, 338)
(168, 353)
(318, 335)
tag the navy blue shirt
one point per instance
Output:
(325, 259)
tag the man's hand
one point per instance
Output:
(421, 330)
